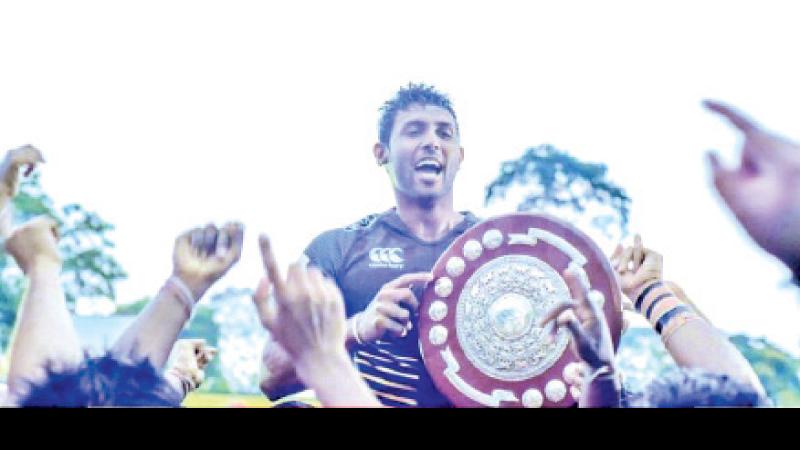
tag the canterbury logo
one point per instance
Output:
(386, 257)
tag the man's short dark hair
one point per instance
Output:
(692, 388)
(103, 381)
(419, 94)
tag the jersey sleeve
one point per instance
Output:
(325, 252)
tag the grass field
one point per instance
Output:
(208, 400)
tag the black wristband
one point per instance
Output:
(652, 305)
(644, 294)
(664, 320)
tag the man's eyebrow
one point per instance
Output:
(444, 124)
(414, 123)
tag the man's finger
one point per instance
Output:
(270, 266)
(578, 288)
(231, 247)
(210, 234)
(410, 278)
(401, 295)
(386, 324)
(556, 311)
(393, 311)
(316, 285)
(735, 117)
(625, 259)
(614, 258)
(638, 252)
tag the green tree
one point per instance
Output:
(551, 180)
(89, 269)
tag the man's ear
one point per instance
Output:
(381, 153)
(460, 154)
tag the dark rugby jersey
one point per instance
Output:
(362, 258)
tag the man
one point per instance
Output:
(382, 262)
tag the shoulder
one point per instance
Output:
(337, 241)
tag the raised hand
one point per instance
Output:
(26, 155)
(384, 314)
(306, 317)
(584, 318)
(203, 255)
(636, 267)
(35, 243)
(192, 357)
(306, 314)
(763, 190)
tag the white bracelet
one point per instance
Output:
(185, 294)
(354, 327)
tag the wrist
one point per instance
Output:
(42, 265)
(197, 287)
(316, 365)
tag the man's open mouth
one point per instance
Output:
(428, 165)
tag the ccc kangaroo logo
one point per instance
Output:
(386, 257)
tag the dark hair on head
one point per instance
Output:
(692, 388)
(102, 381)
(412, 94)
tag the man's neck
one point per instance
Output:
(428, 220)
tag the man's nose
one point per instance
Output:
(432, 143)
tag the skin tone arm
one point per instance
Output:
(696, 343)
(201, 257)
(44, 331)
(306, 316)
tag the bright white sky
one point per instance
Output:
(163, 115)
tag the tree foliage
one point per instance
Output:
(551, 179)
(89, 270)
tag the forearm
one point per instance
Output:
(155, 330)
(336, 381)
(44, 331)
(697, 344)
(691, 340)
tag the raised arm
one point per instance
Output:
(763, 189)
(591, 342)
(201, 257)
(44, 332)
(306, 317)
(691, 340)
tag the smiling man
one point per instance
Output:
(382, 261)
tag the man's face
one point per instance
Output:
(424, 152)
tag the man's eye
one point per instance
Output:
(445, 134)
(413, 131)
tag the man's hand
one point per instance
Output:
(591, 337)
(26, 155)
(763, 192)
(636, 267)
(204, 255)
(35, 243)
(384, 313)
(192, 357)
(307, 315)
(9, 179)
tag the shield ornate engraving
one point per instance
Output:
(479, 332)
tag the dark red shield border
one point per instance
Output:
(601, 278)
